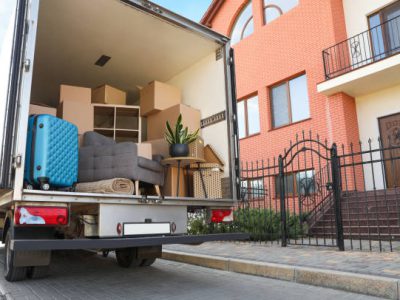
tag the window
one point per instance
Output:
(252, 189)
(273, 9)
(248, 117)
(244, 25)
(385, 35)
(289, 102)
(298, 183)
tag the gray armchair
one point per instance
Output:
(101, 158)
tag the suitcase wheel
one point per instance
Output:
(28, 186)
(45, 186)
(44, 183)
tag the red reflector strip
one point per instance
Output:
(37, 215)
(221, 215)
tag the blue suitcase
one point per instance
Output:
(51, 159)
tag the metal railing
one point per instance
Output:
(320, 194)
(323, 195)
(370, 46)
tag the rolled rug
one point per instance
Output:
(109, 186)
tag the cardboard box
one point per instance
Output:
(144, 150)
(156, 122)
(74, 93)
(77, 112)
(36, 109)
(157, 96)
(170, 184)
(159, 147)
(108, 95)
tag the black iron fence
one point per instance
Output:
(370, 46)
(322, 195)
(370, 192)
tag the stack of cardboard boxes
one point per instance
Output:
(160, 102)
(75, 106)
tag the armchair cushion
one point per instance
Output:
(102, 158)
(107, 161)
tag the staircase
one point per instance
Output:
(372, 215)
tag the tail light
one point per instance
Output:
(221, 215)
(38, 215)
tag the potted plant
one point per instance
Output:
(179, 138)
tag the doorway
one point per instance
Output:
(389, 127)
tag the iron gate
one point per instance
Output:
(294, 198)
(309, 192)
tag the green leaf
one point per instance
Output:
(184, 135)
(169, 139)
(178, 130)
(179, 121)
(170, 129)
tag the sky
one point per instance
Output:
(192, 9)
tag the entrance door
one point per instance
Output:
(390, 134)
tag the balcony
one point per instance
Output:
(365, 62)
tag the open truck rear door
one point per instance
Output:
(17, 54)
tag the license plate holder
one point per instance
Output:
(133, 229)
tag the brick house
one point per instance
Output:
(325, 66)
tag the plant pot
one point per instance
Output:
(177, 150)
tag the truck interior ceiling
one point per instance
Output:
(73, 35)
(92, 44)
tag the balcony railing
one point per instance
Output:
(370, 46)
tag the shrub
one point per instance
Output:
(261, 224)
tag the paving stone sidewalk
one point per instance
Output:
(371, 263)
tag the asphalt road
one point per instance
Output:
(82, 275)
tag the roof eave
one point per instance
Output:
(212, 10)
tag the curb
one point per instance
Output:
(377, 286)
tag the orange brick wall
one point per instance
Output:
(289, 45)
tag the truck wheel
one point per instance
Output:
(147, 262)
(38, 272)
(105, 253)
(11, 273)
(126, 257)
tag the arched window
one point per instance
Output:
(244, 25)
(273, 9)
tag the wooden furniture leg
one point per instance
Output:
(157, 188)
(137, 190)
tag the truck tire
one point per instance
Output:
(105, 253)
(12, 273)
(38, 272)
(147, 262)
(126, 257)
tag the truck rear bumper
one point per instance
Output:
(113, 243)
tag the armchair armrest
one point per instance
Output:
(149, 164)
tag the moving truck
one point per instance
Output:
(46, 43)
